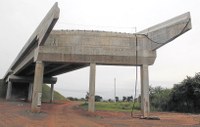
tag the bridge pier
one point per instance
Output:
(91, 100)
(30, 91)
(37, 87)
(145, 106)
(51, 93)
(9, 91)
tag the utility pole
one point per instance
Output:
(115, 89)
(136, 70)
(135, 29)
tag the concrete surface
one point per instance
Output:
(51, 93)
(30, 91)
(37, 87)
(91, 100)
(145, 104)
(9, 91)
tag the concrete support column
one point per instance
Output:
(145, 106)
(30, 91)
(9, 91)
(37, 87)
(51, 93)
(91, 105)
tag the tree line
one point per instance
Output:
(183, 97)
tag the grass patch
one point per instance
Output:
(46, 94)
(112, 106)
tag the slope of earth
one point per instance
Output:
(68, 114)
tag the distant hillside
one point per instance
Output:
(46, 94)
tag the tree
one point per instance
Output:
(116, 99)
(87, 96)
(72, 98)
(159, 98)
(185, 96)
(109, 100)
(124, 98)
(98, 98)
(130, 98)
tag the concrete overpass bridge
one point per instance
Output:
(49, 52)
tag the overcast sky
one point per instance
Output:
(175, 61)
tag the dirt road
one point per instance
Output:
(68, 114)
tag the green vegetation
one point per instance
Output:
(97, 97)
(114, 106)
(159, 98)
(183, 97)
(46, 94)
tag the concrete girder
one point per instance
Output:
(56, 69)
(24, 63)
(26, 79)
(100, 47)
(38, 37)
(167, 31)
(101, 60)
(64, 69)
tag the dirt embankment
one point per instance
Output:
(67, 114)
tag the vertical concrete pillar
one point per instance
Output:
(9, 91)
(91, 105)
(30, 91)
(37, 87)
(145, 107)
(51, 93)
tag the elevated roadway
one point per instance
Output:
(49, 52)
